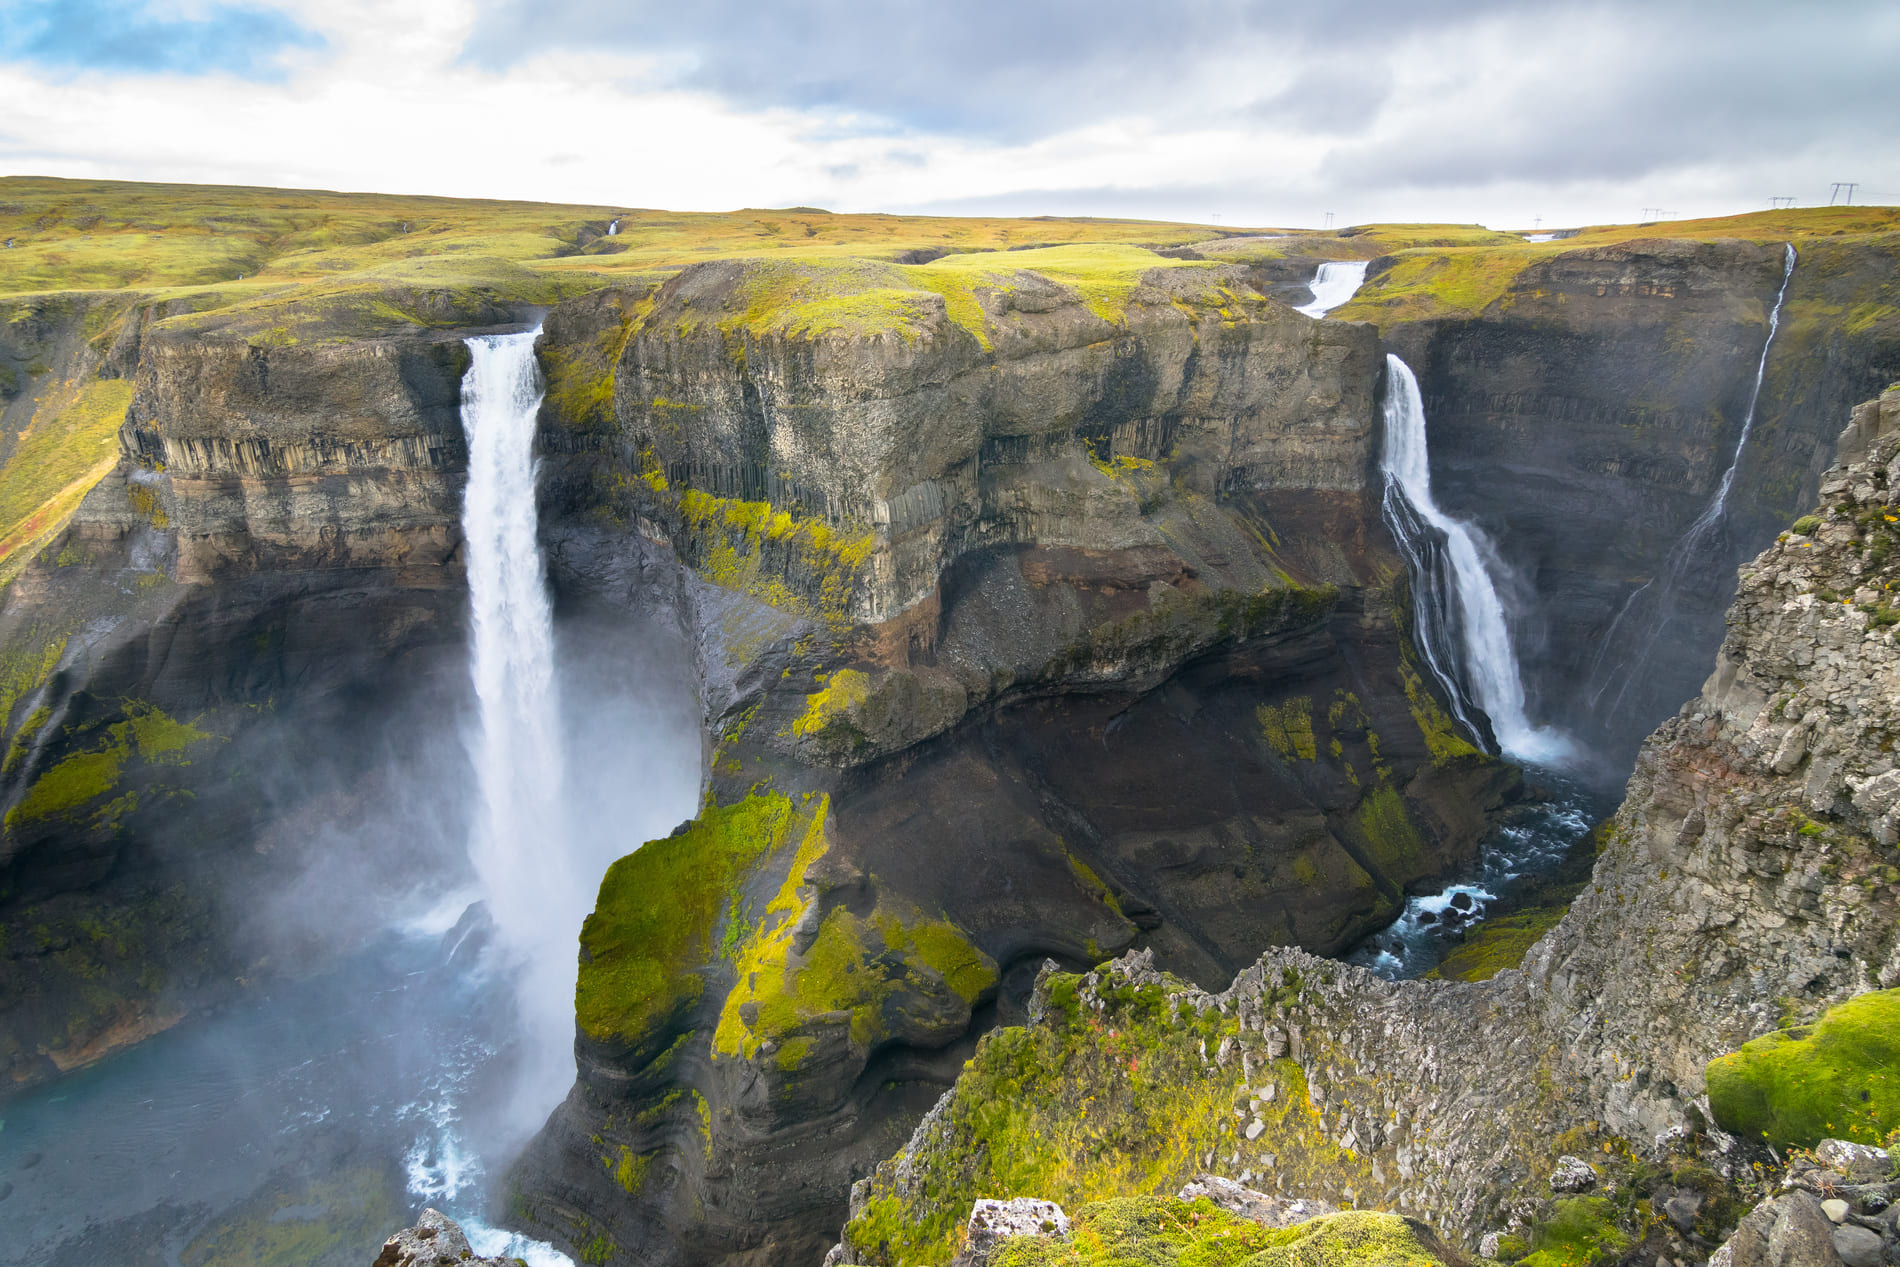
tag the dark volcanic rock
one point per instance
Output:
(1585, 420)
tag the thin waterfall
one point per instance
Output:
(1708, 517)
(1648, 617)
(1458, 617)
(1335, 283)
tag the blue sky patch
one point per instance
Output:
(122, 36)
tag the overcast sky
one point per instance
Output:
(1241, 111)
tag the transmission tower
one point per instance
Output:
(1781, 201)
(1843, 185)
(1329, 219)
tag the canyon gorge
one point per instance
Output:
(1008, 631)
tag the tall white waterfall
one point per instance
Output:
(519, 844)
(1467, 624)
(1335, 283)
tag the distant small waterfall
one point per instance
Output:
(1459, 621)
(1650, 607)
(1335, 283)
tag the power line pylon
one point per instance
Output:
(1849, 185)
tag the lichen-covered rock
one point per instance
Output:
(993, 1222)
(436, 1240)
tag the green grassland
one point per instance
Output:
(112, 235)
(1460, 270)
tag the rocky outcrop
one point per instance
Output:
(1585, 419)
(1038, 625)
(1748, 880)
(436, 1240)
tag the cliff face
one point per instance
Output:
(286, 459)
(1585, 417)
(1748, 879)
(1068, 622)
(200, 671)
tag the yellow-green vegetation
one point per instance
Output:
(1435, 725)
(1580, 1232)
(844, 971)
(147, 734)
(1839, 1078)
(1459, 270)
(28, 660)
(1288, 728)
(114, 235)
(1092, 1105)
(754, 547)
(1498, 943)
(1388, 827)
(67, 447)
(653, 926)
(1159, 1231)
(810, 296)
(837, 695)
(343, 1215)
(630, 1169)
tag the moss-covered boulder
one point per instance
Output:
(1163, 1231)
(1839, 1078)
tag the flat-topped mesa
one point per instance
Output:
(919, 412)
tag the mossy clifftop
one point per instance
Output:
(1838, 1078)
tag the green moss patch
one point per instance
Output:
(1581, 1232)
(652, 932)
(851, 970)
(1096, 1104)
(71, 442)
(1497, 944)
(147, 734)
(797, 564)
(1839, 1078)
(1158, 1231)
(1288, 728)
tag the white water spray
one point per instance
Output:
(1489, 660)
(1335, 283)
(519, 846)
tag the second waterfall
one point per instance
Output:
(1459, 619)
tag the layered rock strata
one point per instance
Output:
(1749, 879)
(1585, 419)
(1038, 629)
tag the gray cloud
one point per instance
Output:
(1657, 85)
(1000, 69)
